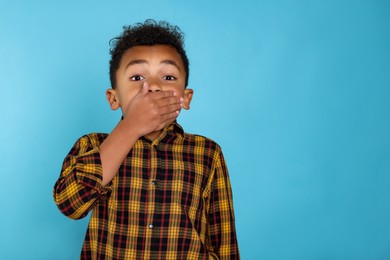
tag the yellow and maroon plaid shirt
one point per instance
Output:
(171, 199)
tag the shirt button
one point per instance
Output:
(154, 182)
(151, 226)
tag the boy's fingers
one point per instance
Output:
(167, 101)
(169, 109)
(161, 94)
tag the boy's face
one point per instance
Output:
(159, 65)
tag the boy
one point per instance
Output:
(155, 192)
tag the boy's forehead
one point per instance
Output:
(146, 52)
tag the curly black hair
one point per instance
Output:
(148, 33)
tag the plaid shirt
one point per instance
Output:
(170, 199)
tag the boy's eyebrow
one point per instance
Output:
(170, 62)
(133, 62)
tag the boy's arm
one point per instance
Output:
(90, 166)
(222, 230)
(146, 113)
(79, 186)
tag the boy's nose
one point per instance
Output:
(154, 87)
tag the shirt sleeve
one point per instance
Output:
(221, 227)
(79, 187)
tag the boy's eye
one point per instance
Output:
(169, 77)
(137, 78)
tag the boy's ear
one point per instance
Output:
(112, 100)
(188, 93)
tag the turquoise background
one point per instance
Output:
(297, 93)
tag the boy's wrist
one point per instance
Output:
(130, 129)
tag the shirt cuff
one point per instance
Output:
(89, 171)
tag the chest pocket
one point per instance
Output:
(188, 184)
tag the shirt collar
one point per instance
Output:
(167, 134)
(175, 128)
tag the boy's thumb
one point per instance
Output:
(145, 89)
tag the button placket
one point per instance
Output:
(152, 187)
